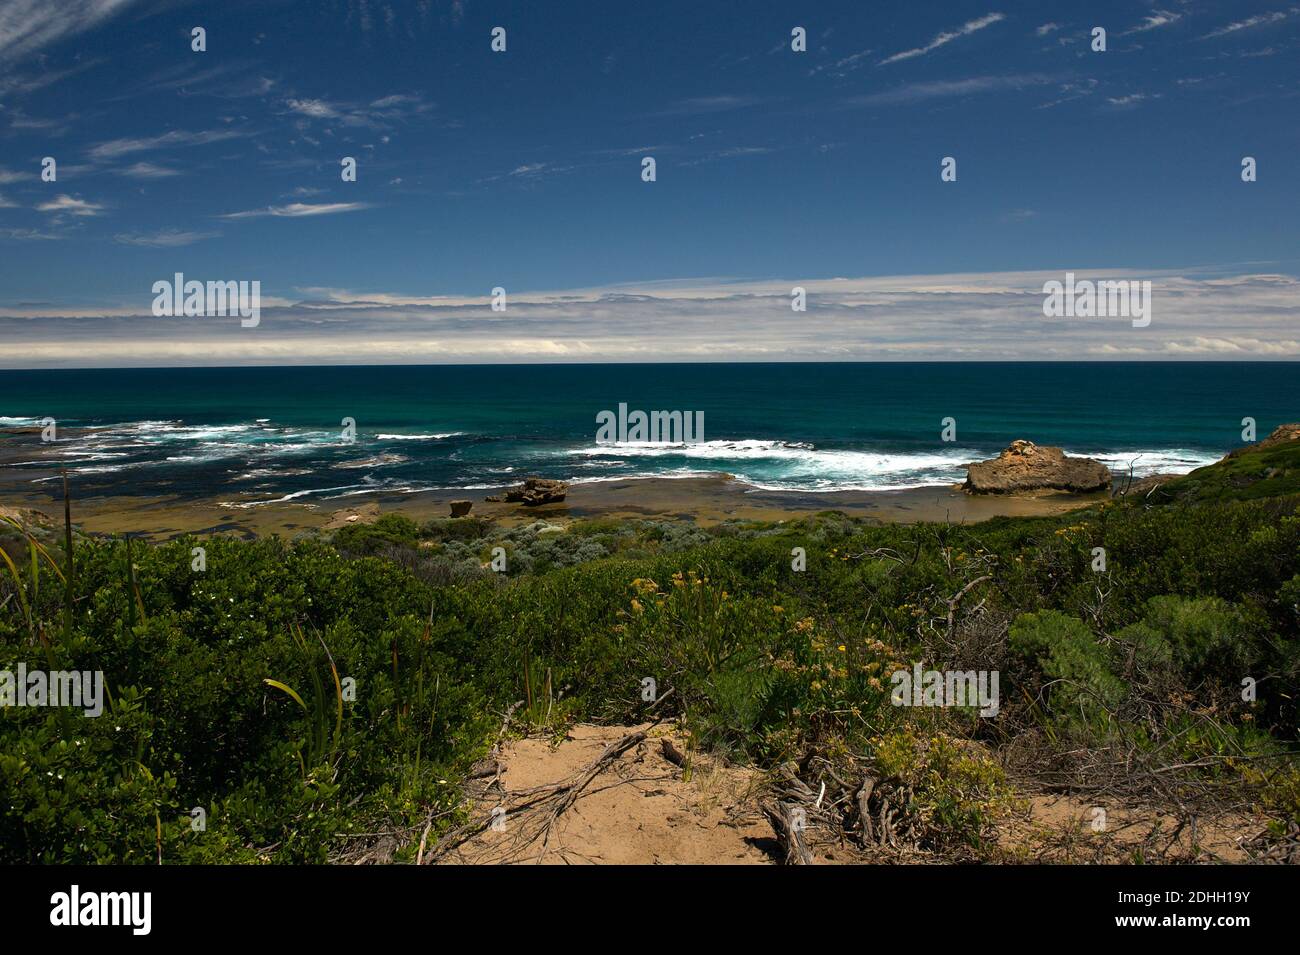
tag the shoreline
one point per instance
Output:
(702, 500)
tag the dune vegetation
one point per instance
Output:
(292, 701)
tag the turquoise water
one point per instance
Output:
(264, 434)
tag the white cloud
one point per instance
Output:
(298, 209)
(966, 316)
(938, 89)
(27, 26)
(115, 148)
(29, 235)
(966, 29)
(1131, 99)
(165, 239)
(1047, 28)
(69, 205)
(315, 108)
(148, 170)
(379, 113)
(701, 105)
(1255, 21)
(1157, 19)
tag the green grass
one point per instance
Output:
(1251, 475)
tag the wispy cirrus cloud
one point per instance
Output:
(845, 64)
(1259, 20)
(116, 148)
(943, 39)
(376, 114)
(1071, 91)
(703, 105)
(298, 209)
(1154, 21)
(164, 239)
(940, 89)
(29, 235)
(148, 170)
(1131, 100)
(28, 26)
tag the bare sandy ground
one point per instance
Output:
(640, 810)
(1071, 829)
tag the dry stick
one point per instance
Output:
(956, 598)
(567, 794)
(612, 751)
(864, 810)
(655, 705)
(419, 858)
(505, 721)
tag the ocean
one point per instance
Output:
(259, 435)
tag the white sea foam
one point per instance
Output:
(1160, 461)
(794, 466)
(419, 437)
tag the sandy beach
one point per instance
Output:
(705, 501)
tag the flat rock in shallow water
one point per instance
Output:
(1025, 466)
(534, 492)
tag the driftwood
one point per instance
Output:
(867, 833)
(956, 598)
(789, 822)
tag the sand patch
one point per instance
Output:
(1072, 829)
(638, 810)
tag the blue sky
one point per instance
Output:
(522, 169)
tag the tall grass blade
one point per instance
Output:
(287, 689)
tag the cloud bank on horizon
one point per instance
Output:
(976, 317)
(522, 169)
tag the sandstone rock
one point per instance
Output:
(365, 514)
(461, 508)
(534, 492)
(1024, 466)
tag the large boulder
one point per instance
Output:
(534, 492)
(1024, 466)
(461, 508)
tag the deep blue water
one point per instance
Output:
(256, 434)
